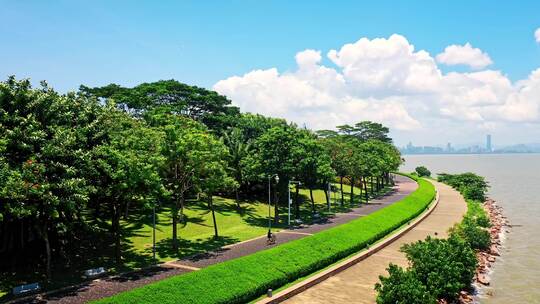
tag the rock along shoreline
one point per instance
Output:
(486, 258)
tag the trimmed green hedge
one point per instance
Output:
(246, 278)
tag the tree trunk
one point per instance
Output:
(43, 231)
(312, 200)
(211, 205)
(237, 200)
(175, 227)
(341, 187)
(182, 204)
(97, 213)
(297, 202)
(352, 191)
(116, 231)
(48, 253)
(326, 194)
(126, 212)
(364, 182)
(371, 184)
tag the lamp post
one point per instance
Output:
(289, 199)
(329, 196)
(276, 178)
(154, 232)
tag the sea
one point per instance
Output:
(514, 181)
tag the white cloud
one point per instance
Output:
(387, 80)
(465, 55)
(386, 66)
(537, 35)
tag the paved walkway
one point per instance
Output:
(355, 284)
(110, 286)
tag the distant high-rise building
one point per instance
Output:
(488, 143)
(449, 147)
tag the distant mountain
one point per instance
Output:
(520, 148)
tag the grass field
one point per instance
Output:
(243, 279)
(195, 236)
(196, 232)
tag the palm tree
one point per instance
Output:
(238, 149)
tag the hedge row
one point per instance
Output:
(246, 278)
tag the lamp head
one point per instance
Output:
(276, 178)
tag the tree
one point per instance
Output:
(127, 168)
(341, 153)
(472, 186)
(402, 287)
(314, 168)
(277, 151)
(214, 176)
(187, 148)
(239, 149)
(444, 266)
(366, 130)
(360, 166)
(207, 107)
(42, 141)
(422, 171)
(252, 126)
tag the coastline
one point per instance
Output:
(486, 258)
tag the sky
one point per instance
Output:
(433, 71)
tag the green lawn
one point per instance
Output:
(195, 236)
(244, 279)
(197, 231)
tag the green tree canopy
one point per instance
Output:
(199, 104)
(42, 140)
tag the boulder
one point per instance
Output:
(483, 279)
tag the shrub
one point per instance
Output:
(477, 237)
(402, 287)
(444, 266)
(471, 186)
(244, 279)
(471, 227)
(422, 171)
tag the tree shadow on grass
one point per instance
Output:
(192, 249)
(225, 207)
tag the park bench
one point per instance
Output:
(27, 288)
(95, 272)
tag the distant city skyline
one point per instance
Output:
(474, 148)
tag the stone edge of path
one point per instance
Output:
(341, 266)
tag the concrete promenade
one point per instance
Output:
(355, 284)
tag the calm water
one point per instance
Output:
(514, 180)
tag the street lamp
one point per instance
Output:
(329, 195)
(276, 178)
(289, 197)
(154, 232)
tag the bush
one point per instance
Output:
(471, 227)
(444, 266)
(470, 185)
(402, 287)
(244, 279)
(423, 171)
(477, 237)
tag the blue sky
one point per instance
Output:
(69, 43)
(201, 42)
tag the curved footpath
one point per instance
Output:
(356, 284)
(106, 287)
